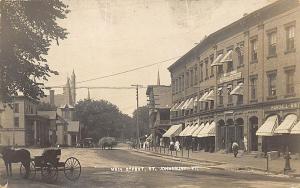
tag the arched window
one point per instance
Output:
(240, 56)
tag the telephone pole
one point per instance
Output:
(137, 114)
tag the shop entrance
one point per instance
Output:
(253, 124)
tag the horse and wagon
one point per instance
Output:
(48, 164)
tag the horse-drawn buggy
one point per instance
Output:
(49, 165)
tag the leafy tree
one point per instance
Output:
(143, 120)
(27, 30)
(102, 118)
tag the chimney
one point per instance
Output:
(51, 97)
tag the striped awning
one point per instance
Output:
(201, 126)
(238, 90)
(188, 126)
(286, 126)
(208, 130)
(192, 129)
(202, 99)
(216, 62)
(173, 108)
(296, 129)
(227, 57)
(210, 96)
(268, 128)
(180, 106)
(190, 104)
(173, 131)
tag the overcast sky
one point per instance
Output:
(110, 36)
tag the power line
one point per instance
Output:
(130, 70)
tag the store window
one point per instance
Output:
(272, 90)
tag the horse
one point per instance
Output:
(10, 155)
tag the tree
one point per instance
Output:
(28, 28)
(143, 120)
(102, 118)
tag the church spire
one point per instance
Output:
(158, 78)
(88, 96)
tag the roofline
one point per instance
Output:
(239, 21)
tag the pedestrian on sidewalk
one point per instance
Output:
(172, 145)
(235, 148)
(177, 145)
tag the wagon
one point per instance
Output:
(49, 165)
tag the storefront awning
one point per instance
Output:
(267, 129)
(202, 99)
(149, 138)
(185, 129)
(190, 105)
(227, 57)
(208, 130)
(296, 129)
(196, 102)
(174, 107)
(180, 106)
(216, 62)
(192, 129)
(197, 131)
(185, 104)
(210, 96)
(238, 90)
(173, 131)
(287, 124)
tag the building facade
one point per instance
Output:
(240, 76)
(159, 104)
(21, 124)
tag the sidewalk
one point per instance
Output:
(242, 162)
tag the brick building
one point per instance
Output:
(242, 82)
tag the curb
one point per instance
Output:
(184, 159)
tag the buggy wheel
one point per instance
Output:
(49, 172)
(32, 171)
(72, 169)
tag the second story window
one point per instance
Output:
(253, 88)
(229, 89)
(187, 77)
(272, 84)
(229, 66)
(240, 55)
(220, 95)
(16, 123)
(211, 67)
(196, 75)
(272, 40)
(290, 87)
(254, 50)
(192, 77)
(201, 72)
(206, 69)
(16, 108)
(290, 38)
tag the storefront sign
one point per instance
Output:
(285, 106)
(227, 77)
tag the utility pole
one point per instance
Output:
(137, 115)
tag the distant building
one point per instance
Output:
(159, 104)
(67, 97)
(20, 124)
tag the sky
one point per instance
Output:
(111, 36)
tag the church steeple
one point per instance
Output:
(158, 78)
(73, 87)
